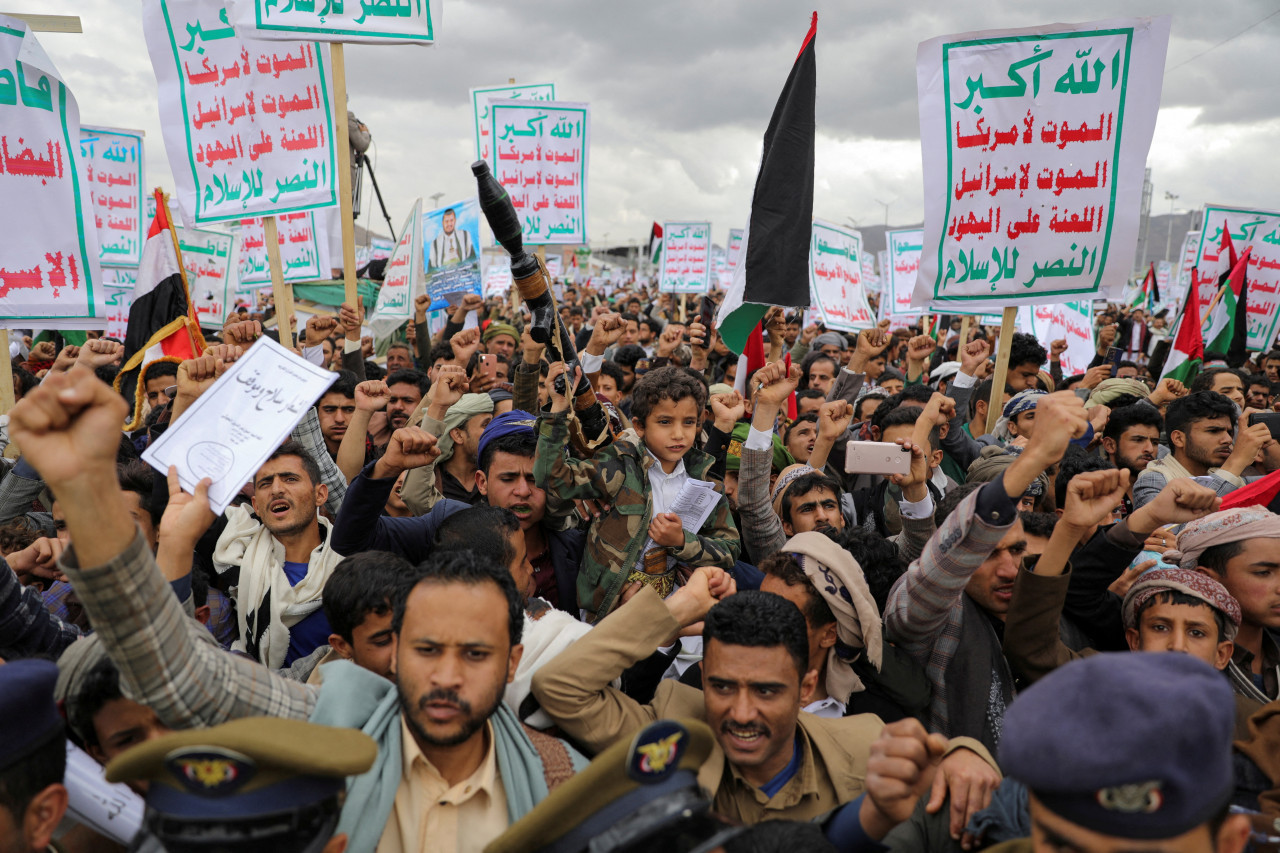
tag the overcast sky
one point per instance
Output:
(681, 92)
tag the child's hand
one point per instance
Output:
(560, 401)
(665, 529)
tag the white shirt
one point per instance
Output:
(830, 708)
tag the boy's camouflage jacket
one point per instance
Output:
(618, 474)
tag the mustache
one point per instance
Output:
(750, 728)
(444, 696)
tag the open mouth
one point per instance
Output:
(745, 737)
(279, 508)
(1004, 593)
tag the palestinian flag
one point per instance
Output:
(751, 360)
(655, 243)
(1187, 353)
(774, 260)
(1226, 317)
(1149, 294)
(162, 321)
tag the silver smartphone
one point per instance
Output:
(876, 457)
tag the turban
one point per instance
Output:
(991, 464)
(1023, 401)
(838, 578)
(496, 329)
(830, 338)
(733, 456)
(719, 388)
(508, 423)
(1222, 528)
(1187, 581)
(467, 407)
(1109, 390)
(788, 476)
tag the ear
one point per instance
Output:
(807, 685)
(341, 646)
(395, 654)
(458, 436)
(827, 639)
(203, 613)
(786, 528)
(1131, 637)
(638, 426)
(935, 458)
(1109, 445)
(43, 815)
(1225, 650)
(875, 433)
(1177, 438)
(513, 661)
(1233, 835)
(322, 494)
(482, 482)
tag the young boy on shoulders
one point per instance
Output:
(638, 539)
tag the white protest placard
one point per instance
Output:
(1258, 230)
(1070, 321)
(369, 21)
(480, 99)
(1164, 278)
(540, 157)
(118, 298)
(49, 268)
(1035, 143)
(234, 426)
(685, 263)
(304, 249)
(497, 276)
(1186, 268)
(555, 265)
(835, 278)
(114, 172)
(721, 275)
(451, 251)
(207, 256)
(734, 250)
(902, 260)
(403, 280)
(247, 124)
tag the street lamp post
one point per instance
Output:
(435, 200)
(885, 205)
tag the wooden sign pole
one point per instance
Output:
(964, 335)
(6, 375)
(343, 141)
(995, 405)
(279, 289)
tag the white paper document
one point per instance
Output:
(233, 427)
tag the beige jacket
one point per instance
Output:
(574, 691)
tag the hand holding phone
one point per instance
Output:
(876, 457)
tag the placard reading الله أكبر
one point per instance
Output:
(1034, 144)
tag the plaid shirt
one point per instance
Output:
(307, 433)
(762, 532)
(924, 611)
(187, 682)
(26, 626)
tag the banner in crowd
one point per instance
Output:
(1186, 267)
(734, 249)
(376, 249)
(835, 278)
(555, 265)
(685, 263)
(247, 124)
(480, 99)
(304, 248)
(1069, 321)
(49, 268)
(540, 157)
(118, 295)
(903, 261)
(207, 258)
(497, 276)
(721, 275)
(403, 280)
(451, 247)
(1035, 143)
(114, 174)
(369, 21)
(1164, 278)
(1258, 230)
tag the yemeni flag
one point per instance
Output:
(162, 321)
(1226, 318)
(655, 243)
(774, 260)
(1187, 353)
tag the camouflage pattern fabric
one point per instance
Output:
(618, 475)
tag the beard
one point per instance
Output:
(468, 724)
(1135, 465)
